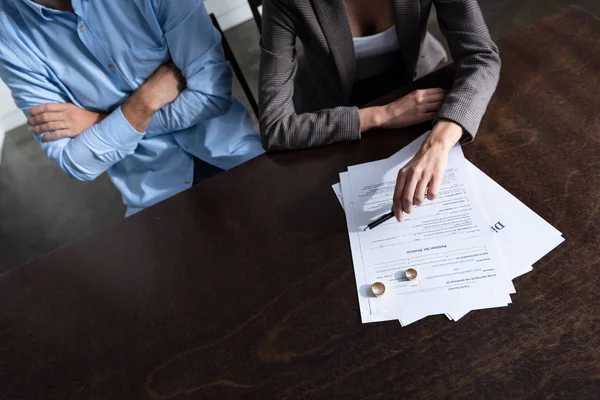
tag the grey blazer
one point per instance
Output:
(303, 100)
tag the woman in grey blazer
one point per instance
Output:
(308, 100)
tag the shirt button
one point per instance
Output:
(187, 181)
(112, 67)
(82, 28)
(185, 146)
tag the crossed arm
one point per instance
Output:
(55, 121)
(85, 144)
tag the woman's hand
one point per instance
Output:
(415, 108)
(61, 120)
(412, 109)
(422, 176)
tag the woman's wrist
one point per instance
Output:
(445, 134)
(371, 118)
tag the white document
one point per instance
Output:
(446, 240)
(523, 236)
(516, 243)
(364, 289)
(457, 312)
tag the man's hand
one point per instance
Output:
(66, 120)
(162, 88)
(424, 173)
(62, 120)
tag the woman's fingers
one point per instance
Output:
(427, 107)
(420, 191)
(421, 178)
(409, 192)
(434, 92)
(434, 186)
(422, 96)
(434, 98)
(412, 188)
(398, 192)
(428, 116)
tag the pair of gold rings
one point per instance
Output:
(378, 288)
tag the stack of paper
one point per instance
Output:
(467, 245)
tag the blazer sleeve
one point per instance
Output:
(280, 127)
(477, 61)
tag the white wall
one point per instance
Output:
(10, 115)
(229, 13)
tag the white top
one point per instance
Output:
(375, 54)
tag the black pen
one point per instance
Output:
(380, 220)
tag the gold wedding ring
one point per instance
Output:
(411, 274)
(378, 289)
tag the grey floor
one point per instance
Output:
(41, 209)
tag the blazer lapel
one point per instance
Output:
(408, 26)
(333, 19)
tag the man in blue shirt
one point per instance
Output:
(138, 88)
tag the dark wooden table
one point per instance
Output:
(243, 287)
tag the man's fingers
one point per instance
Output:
(44, 108)
(49, 127)
(46, 117)
(420, 192)
(434, 186)
(50, 137)
(397, 203)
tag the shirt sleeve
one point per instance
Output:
(92, 152)
(195, 48)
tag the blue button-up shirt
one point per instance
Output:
(96, 58)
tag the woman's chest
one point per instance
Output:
(369, 17)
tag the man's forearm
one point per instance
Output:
(160, 90)
(138, 111)
(97, 148)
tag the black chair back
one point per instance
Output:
(254, 4)
(236, 67)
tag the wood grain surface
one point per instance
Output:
(243, 286)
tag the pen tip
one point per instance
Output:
(367, 228)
